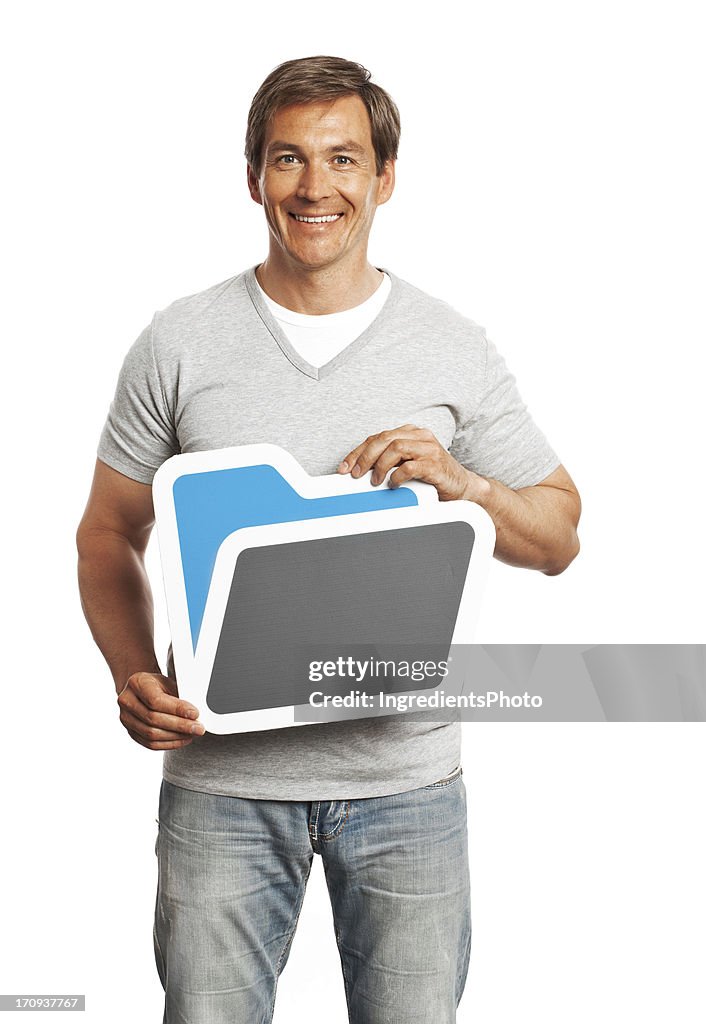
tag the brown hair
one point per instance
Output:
(320, 78)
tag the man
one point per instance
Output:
(350, 369)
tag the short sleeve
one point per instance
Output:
(138, 435)
(501, 440)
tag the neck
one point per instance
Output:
(317, 292)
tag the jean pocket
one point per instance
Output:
(447, 781)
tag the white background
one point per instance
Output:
(550, 186)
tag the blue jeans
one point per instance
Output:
(232, 875)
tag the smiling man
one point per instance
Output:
(351, 369)
(320, 185)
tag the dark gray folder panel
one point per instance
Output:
(392, 594)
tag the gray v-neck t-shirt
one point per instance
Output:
(214, 370)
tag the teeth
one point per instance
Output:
(317, 220)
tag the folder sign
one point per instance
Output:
(267, 569)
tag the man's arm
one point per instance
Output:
(535, 526)
(117, 602)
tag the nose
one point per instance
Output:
(314, 182)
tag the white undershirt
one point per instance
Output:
(318, 339)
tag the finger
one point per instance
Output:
(140, 712)
(150, 691)
(349, 461)
(160, 745)
(412, 469)
(399, 451)
(372, 451)
(157, 731)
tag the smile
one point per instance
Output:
(316, 220)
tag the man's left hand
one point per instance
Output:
(420, 456)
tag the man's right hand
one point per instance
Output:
(154, 714)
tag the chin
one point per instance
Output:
(314, 263)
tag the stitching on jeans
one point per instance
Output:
(314, 830)
(326, 835)
(158, 950)
(288, 943)
(346, 983)
(159, 913)
(339, 826)
(339, 944)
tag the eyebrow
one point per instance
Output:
(349, 146)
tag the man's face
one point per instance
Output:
(319, 161)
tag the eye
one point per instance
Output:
(287, 158)
(341, 157)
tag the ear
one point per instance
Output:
(386, 182)
(254, 186)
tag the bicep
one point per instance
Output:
(118, 504)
